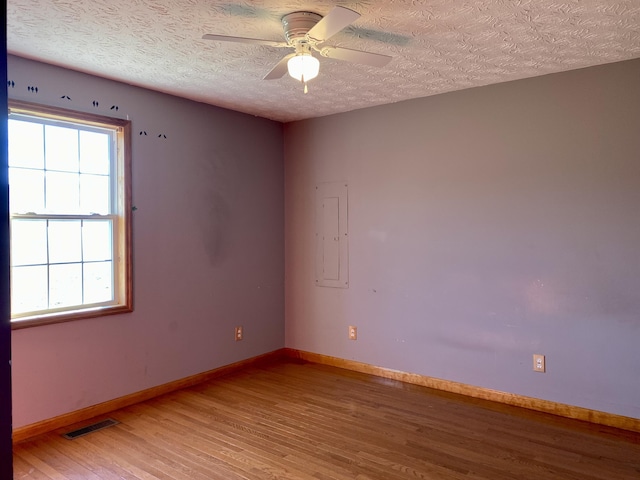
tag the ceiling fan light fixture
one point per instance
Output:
(303, 67)
(306, 32)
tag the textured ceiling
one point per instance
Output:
(437, 46)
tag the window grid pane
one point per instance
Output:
(65, 285)
(27, 149)
(97, 282)
(95, 194)
(62, 192)
(29, 289)
(26, 190)
(29, 242)
(61, 149)
(94, 153)
(97, 242)
(65, 241)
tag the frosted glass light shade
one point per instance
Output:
(304, 65)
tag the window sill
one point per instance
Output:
(36, 321)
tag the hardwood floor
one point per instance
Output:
(295, 420)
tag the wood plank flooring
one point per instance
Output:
(293, 420)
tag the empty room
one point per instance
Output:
(321, 240)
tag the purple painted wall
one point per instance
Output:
(485, 225)
(208, 250)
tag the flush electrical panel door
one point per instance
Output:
(332, 266)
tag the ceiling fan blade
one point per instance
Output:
(280, 69)
(255, 41)
(332, 23)
(355, 56)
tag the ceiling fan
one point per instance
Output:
(306, 32)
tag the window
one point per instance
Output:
(70, 207)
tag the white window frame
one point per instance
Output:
(120, 216)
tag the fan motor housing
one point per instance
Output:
(297, 24)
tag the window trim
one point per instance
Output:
(123, 223)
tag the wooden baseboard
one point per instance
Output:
(28, 431)
(579, 413)
(546, 406)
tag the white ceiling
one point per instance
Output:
(437, 46)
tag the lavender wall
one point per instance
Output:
(485, 225)
(208, 250)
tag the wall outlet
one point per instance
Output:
(238, 334)
(353, 332)
(539, 363)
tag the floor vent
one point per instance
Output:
(109, 422)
